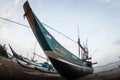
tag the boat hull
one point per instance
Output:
(70, 70)
(45, 70)
(24, 64)
(71, 66)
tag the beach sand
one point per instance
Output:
(10, 70)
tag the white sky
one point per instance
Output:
(98, 21)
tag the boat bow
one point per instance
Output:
(54, 51)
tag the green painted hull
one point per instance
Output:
(48, 43)
(46, 40)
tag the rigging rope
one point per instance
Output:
(59, 32)
(14, 22)
(43, 24)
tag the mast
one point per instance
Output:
(78, 42)
(84, 49)
(34, 52)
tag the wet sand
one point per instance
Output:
(12, 71)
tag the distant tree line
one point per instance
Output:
(3, 51)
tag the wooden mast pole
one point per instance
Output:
(78, 42)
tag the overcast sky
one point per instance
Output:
(98, 21)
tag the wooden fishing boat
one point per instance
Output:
(23, 61)
(29, 64)
(66, 63)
